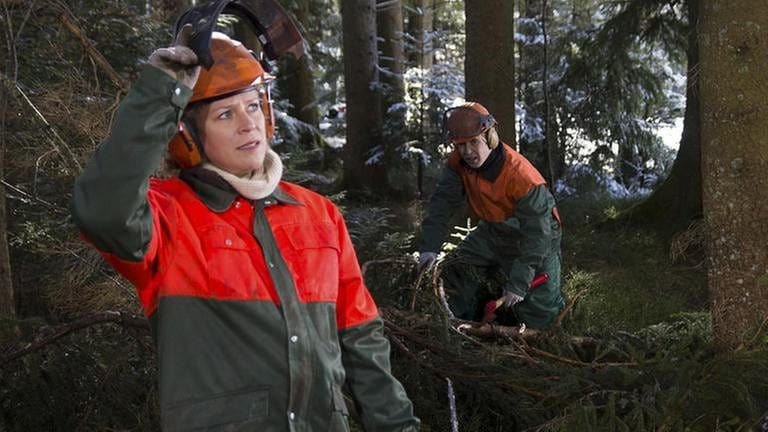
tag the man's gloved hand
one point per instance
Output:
(511, 299)
(178, 60)
(426, 260)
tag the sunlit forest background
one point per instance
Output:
(646, 117)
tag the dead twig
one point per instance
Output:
(14, 88)
(568, 307)
(751, 343)
(69, 22)
(499, 380)
(578, 363)
(417, 285)
(364, 267)
(50, 335)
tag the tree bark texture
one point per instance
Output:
(733, 39)
(363, 98)
(421, 22)
(677, 202)
(489, 65)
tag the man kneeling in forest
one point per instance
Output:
(519, 227)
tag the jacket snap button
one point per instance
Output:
(228, 242)
(294, 338)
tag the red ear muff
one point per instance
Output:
(184, 148)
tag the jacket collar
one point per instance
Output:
(218, 195)
(491, 168)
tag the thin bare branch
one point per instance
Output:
(69, 22)
(50, 335)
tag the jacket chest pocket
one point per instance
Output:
(230, 264)
(313, 257)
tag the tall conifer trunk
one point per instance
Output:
(420, 26)
(489, 65)
(295, 78)
(733, 38)
(400, 170)
(677, 202)
(7, 303)
(363, 99)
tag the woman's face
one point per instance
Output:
(233, 131)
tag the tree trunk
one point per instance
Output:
(295, 78)
(390, 34)
(363, 100)
(677, 202)
(733, 37)
(489, 65)
(400, 167)
(420, 26)
(7, 303)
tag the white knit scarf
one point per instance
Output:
(257, 185)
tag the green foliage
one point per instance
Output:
(102, 378)
(613, 76)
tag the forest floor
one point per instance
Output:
(631, 276)
(634, 353)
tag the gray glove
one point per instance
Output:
(511, 299)
(178, 60)
(426, 260)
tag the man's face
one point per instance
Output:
(234, 133)
(475, 151)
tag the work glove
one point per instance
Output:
(178, 60)
(511, 299)
(426, 261)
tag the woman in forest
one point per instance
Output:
(519, 229)
(251, 284)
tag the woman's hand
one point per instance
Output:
(178, 60)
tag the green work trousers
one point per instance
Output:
(468, 276)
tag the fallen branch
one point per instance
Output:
(568, 307)
(497, 379)
(49, 335)
(417, 285)
(364, 267)
(71, 25)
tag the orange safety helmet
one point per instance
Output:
(464, 122)
(235, 70)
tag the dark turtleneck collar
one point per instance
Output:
(491, 168)
(217, 194)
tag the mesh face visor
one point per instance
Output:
(463, 123)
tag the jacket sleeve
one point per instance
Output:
(533, 220)
(379, 397)
(109, 203)
(448, 196)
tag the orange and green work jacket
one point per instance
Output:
(509, 194)
(258, 308)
